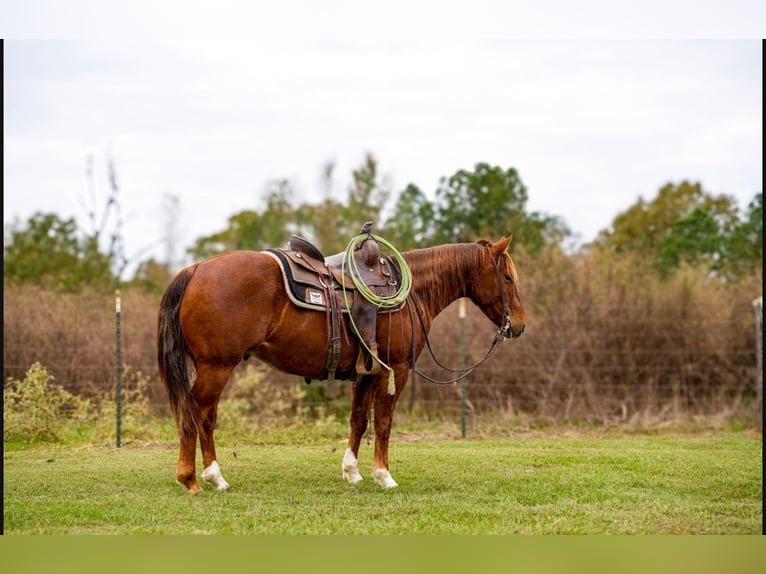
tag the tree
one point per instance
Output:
(251, 229)
(367, 196)
(487, 202)
(151, 276)
(411, 224)
(643, 226)
(693, 239)
(685, 225)
(742, 249)
(49, 251)
(105, 221)
(331, 224)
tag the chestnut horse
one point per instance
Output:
(218, 311)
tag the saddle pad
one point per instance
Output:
(306, 290)
(303, 294)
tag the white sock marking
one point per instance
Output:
(383, 478)
(212, 474)
(350, 467)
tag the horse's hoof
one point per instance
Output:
(194, 488)
(352, 477)
(383, 478)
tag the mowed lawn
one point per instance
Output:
(546, 483)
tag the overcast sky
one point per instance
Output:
(590, 125)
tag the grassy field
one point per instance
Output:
(546, 483)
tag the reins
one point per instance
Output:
(465, 372)
(499, 336)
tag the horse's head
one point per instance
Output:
(496, 291)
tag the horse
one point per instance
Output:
(221, 310)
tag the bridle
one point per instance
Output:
(499, 336)
(507, 323)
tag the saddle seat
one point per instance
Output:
(320, 283)
(308, 273)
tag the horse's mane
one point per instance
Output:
(442, 273)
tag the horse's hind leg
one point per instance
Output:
(207, 390)
(361, 399)
(211, 472)
(186, 455)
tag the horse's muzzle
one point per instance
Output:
(513, 332)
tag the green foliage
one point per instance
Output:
(366, 198)
(487, 202)
(331, 223)
(36, 409)
(239, 234)
(151, 277)
(49, 251)
(693, 239)
(642, 227)
(412, 223)
(137, 421)
(686, 226)
(484, 203)
(253, 400)
(251, 229)
(742, 249)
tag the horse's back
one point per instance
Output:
(235, 274)
(229, 302)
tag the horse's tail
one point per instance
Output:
(174, 354)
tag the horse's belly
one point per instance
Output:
(303, 361)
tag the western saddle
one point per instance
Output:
(313, 281)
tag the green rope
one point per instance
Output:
(382, 302)
(389, 302)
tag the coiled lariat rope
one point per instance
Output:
(384, 302)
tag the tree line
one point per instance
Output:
(682, 225)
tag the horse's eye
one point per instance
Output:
(509, 277)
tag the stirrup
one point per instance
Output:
(361, 367)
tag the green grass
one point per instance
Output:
(542, 483)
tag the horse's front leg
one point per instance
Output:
(384, 417)
(361, 400)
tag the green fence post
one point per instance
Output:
(118, 360)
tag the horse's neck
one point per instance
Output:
(442, 274)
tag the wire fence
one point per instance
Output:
(589, 363)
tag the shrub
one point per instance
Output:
(36, 409)
(253, 400)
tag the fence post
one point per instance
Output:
(118, 361)
(758, 310)
(463, 381)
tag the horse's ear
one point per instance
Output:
(499, 247)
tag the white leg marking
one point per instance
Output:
(383, 478)
(350, 467)
(212, 474)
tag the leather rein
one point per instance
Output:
(499, 336)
